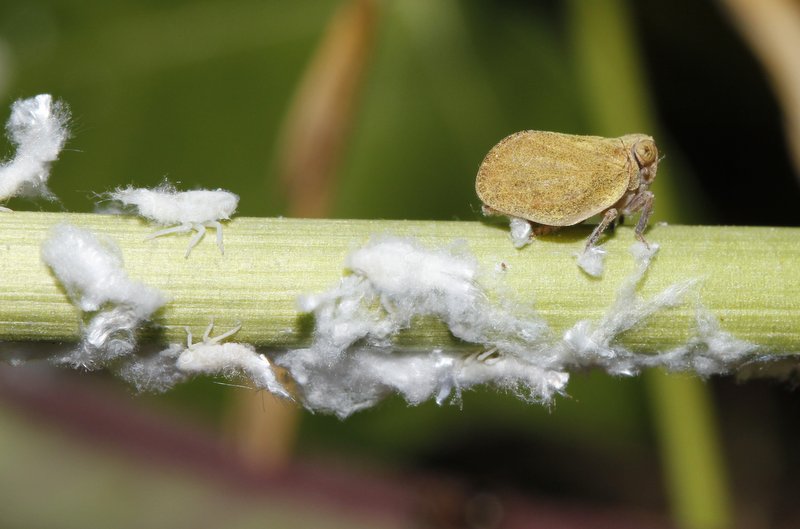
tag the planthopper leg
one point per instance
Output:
(644, 202)
(608, 218)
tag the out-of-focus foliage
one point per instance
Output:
(197, 92)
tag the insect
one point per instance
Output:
(554, 180)
(185, 210)
(211, 356)
(208, 351)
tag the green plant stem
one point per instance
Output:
(749, 277)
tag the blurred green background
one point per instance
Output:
(200, 92)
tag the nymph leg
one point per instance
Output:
(201, 230)
(224, 335)
(218, 226)
(183, 228)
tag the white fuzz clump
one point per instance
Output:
(521, 232)
(594, 344)
(91, 271)
(184, 211)
(711, 351)
(364, 376)
(590, 260)
(157, 373)
(38, 129)
(353, 362)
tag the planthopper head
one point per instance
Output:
(646, 154)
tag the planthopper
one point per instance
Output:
(552, 180)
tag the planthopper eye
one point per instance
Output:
(646, 152)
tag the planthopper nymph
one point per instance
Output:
(552, 180)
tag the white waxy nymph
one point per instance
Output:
(211, 356)
(184, 211)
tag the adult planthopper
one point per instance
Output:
(553, 180)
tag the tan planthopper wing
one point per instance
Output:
(556, 179)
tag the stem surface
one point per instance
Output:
(749, 277)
